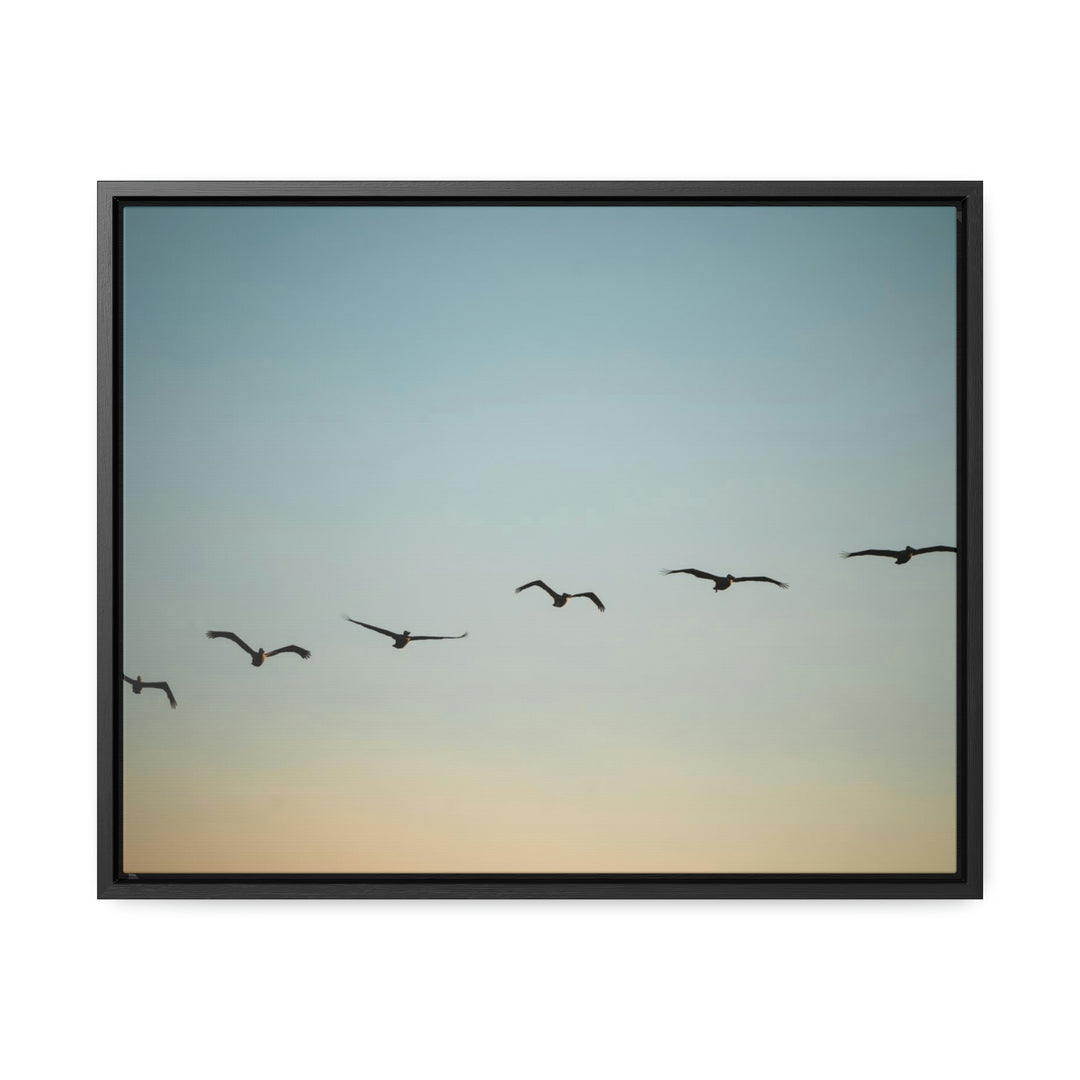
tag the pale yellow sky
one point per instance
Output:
(638, 810)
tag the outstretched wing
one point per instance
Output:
(126, 679)
(232, 637)
(377, 629)
(592, 596)
(782, 584)
(436, 637)
(162, 686)
(696, 573)
(937, 547)
(305, 653)
(871, 551)
(547, 588)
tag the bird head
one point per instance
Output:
(406, 633)
(908, 548)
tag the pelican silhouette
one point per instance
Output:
(559, 599)
(403, 639)
(901, 557)
(138, 686)
(724, 581)
(260, 657)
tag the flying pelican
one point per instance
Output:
(257, 658)
(901, 557)
(138, 686)
(403, 639)
(561, 598)
(724, 581)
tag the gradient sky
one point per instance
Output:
(402, 413)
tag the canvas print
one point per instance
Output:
(614, 539)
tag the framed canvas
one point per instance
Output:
(602, 445)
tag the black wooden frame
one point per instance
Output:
(966, 196)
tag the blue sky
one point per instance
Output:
(403, 413)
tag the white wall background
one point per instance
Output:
(594, 90)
